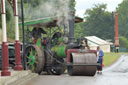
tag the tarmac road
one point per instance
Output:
(117, 74)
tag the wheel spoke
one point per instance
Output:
(35, 54)
(27, 57)
(36, 62)
(29, 66)
(33, 68)
(31, 51)
(27, 63)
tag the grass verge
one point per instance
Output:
(110, 58)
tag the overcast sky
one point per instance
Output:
(82, 5)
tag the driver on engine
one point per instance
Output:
(36, 33)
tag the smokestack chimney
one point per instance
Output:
(116, 30)
(116, 33)
(71, 26)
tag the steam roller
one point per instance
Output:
(59, 51)
(78, 61)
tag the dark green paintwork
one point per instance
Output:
(39, 21)
(60, 51)
(32, 59)
(38, 43)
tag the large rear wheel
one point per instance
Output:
(35, 58)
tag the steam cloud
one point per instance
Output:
(51, 8)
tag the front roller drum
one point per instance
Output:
(83, 64)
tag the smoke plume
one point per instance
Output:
(51, 8)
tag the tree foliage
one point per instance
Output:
(98, 22)
(8, 16)
(123, 18)
(72, 4)
(79, 30)
(123, 42)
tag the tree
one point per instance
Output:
(123, 42)
(8, 16)
(72, 4)
(98, 22)
(34, 3)
(79, 30)
(123, 18)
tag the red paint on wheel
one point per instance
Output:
(69, 51)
